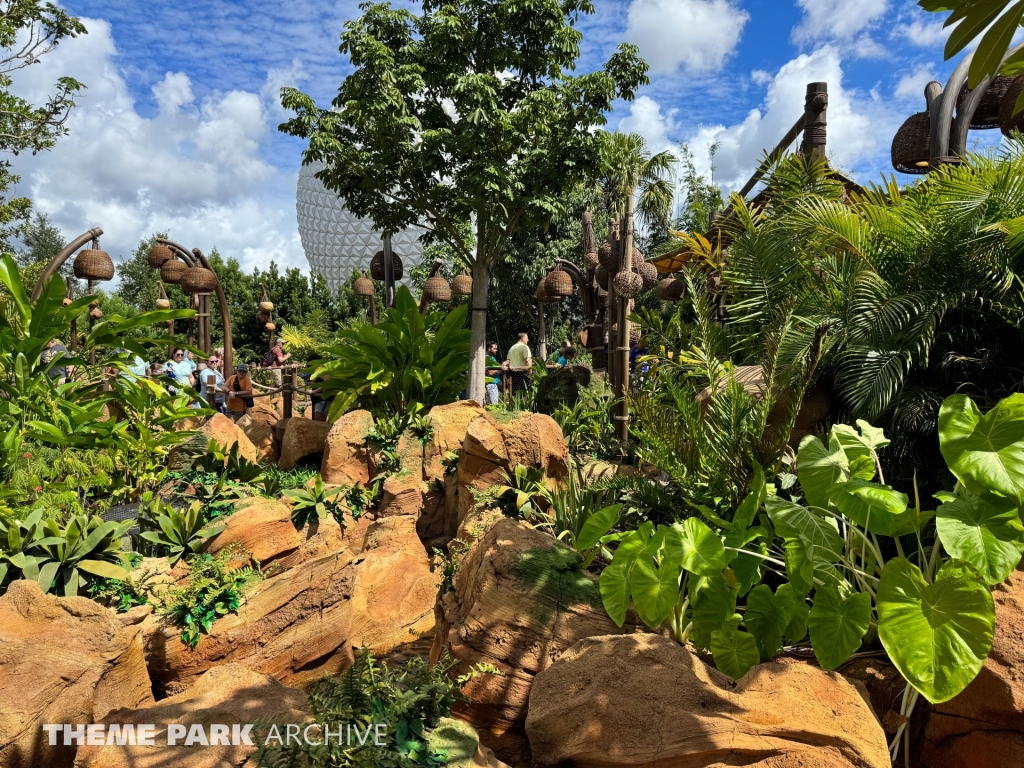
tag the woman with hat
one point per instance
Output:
(238, 388)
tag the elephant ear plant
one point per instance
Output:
(859, 561)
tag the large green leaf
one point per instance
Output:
(655, 591)
(700, 550)
(714, 604)
(985, 452)
(597, 525)
(838, 625)
(819, 468)
(818, 531)
(734, 652)
(984, 531)
(877, 508)
(767, 617)
(938, 635)
(615, 592)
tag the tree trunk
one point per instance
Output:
(542, 342)
(478, 330)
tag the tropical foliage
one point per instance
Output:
(406, 362)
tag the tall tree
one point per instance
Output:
(631, 169)
(28, 30)
(467, 111)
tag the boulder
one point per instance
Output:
(561, 386)
(261, 435)
(395, 591)
(461, 745)
(263, 527)
(222, 429)
(266, 410)
(493, 448)
(295, 626)
(346, 455)
(64, 660)
(644, 700)
(302, 438)
(226, 695)
(448, 425)
(518, 600)
(404, 490)
(983, 727)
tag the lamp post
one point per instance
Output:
(195, 259)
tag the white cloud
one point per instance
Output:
(761, 77)
(697, 34)
(924, 34)
(837, 20)
(911, 86)
(646, 118)
(858, 127)
(195, 170)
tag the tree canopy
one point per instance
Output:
(465, 112)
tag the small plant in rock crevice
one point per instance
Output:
(214, 588)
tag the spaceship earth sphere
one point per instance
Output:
(335, 241)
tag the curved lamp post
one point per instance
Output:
(64, 254)
(192, 258)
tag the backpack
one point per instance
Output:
(268, 359)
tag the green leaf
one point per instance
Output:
(655, 591)
(103, 569)
(938, 635)
(767, 617)
(714, 604)
(597, 525)
(993, 46)
(837, 626)
(748, 508)
(877, 508)
(797, 627)
(819, 531)
(734, 652)
(700, 550)
(986, 453)
(819, 468)
(984, 531)
(615, 592)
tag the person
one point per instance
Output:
(56, 351)
(135, 365)
(179, 369)
(520, 360)
(191, 360)
(238, 388)
(565, 353)
(156, 371)
(277, 357)
(215, 396)
(492, 375)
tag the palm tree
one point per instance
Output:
(919, 288)
(631, 169)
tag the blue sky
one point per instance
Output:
(177, 129)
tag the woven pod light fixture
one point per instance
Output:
(543, 295)
(377, 266)
(559, 284)
(601, 275)
(270, 327)
(608, 258)
(93, 264)
(437, 290)
(172, 271)
(462, 285)
(158, 256)
(198, 279)
(648, 273)
(590, 260)
(670, 289)
(911, 146)
(628, 284)
(1008, 122)
(363, 286)
(988, 112)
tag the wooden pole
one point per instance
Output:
(73, 338)
(815, 124)
(288, 412)
(609, 311)
(622, 350)
(389, 274)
